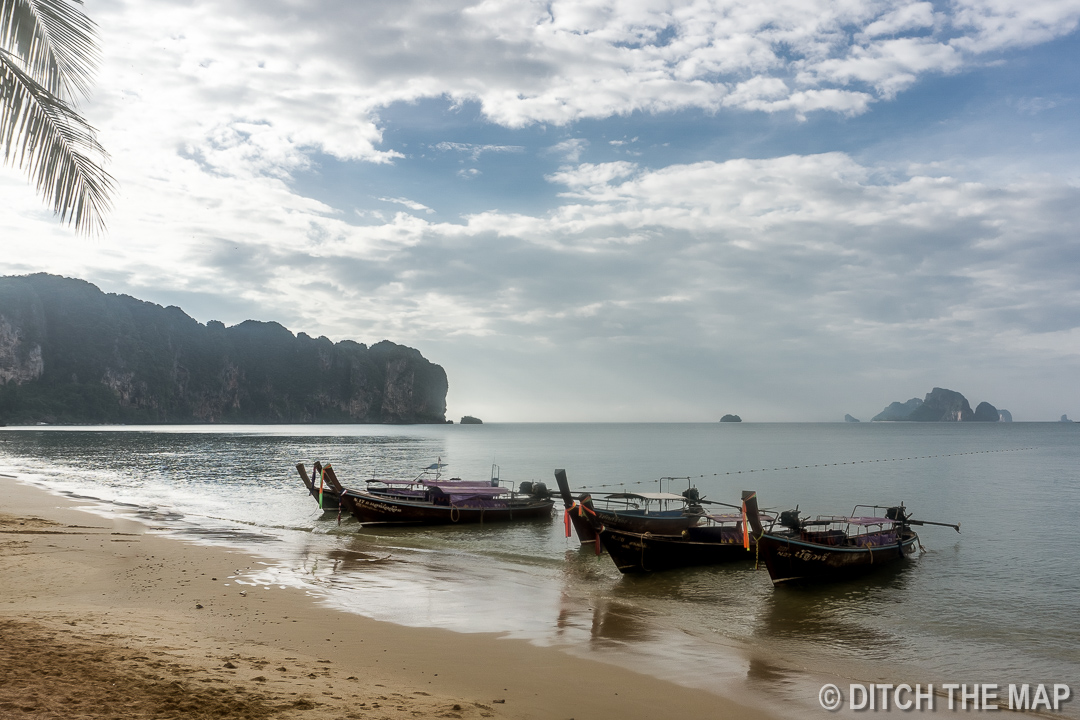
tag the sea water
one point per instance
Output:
(997, 603)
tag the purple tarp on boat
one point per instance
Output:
(857, 520)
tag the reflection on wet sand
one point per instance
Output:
(319, 561)
(770, 675)
(343, 561)
(616, 623)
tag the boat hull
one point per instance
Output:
(661, 523)
(648, 552)
(792, 561)
(658, 523)
(372, 508)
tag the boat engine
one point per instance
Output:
(790, 519)
(897, 514)
(693, 502)
(539, 490)
(526, 487)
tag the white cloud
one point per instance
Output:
(474, 151)
(411, 204)
(256, 87)
(915, 16)
(571, 150)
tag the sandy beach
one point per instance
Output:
(101, 619)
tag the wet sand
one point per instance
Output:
(101, 619)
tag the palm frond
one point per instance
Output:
(43, 134)
(55, 41)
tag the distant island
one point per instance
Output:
(470, 420)
(941, 405)
(70, 353)
(731, 418)
(849, 418)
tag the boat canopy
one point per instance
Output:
(645, 496)
(462, 490)
(855, 520)
(466, 484)
(736, 517)
(463, 485)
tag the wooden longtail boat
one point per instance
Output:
(832, 548)
(717, 542)
(434, 500)
(633, 512)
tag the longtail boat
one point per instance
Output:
(432, 500)
(633, 512)
(833, 548)
(719, 540)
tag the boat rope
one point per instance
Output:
(804, 467)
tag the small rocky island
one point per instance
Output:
(941, 405)
(731, 418)
(470, 420)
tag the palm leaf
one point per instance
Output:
(55, 41)
(44, 135)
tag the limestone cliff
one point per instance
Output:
(985, 412)
(939, 405)
(71, 353)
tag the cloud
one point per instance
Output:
(411, 204)
(571, 150)
(854, 251)
(256, 88)
(474, 151)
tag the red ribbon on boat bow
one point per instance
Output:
(745, 528)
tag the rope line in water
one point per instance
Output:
(803, 467)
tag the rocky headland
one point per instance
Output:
(70, 353)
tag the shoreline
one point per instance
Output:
(127, 600)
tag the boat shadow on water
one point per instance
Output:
(844, 615)
(609, 623)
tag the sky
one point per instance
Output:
(606, 210)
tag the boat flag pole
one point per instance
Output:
(322, 477)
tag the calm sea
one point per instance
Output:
(997, 603)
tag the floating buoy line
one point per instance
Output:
(817, 465)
